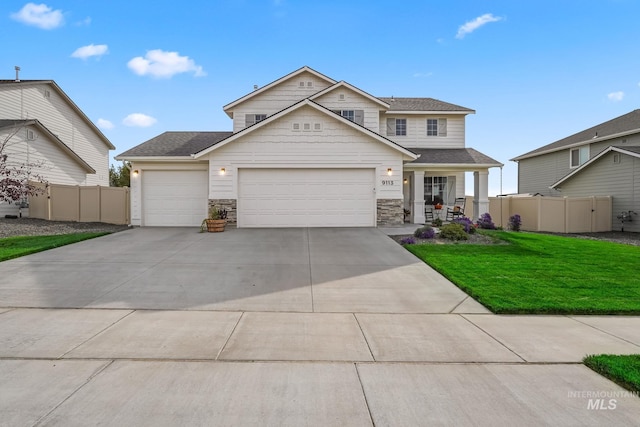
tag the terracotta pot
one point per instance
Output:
(215, 225)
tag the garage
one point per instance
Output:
(174, 197)
(306, 198)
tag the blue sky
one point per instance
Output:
(534, 71)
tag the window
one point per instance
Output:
(296, 126)
(579, 156)
(396, 127)
(251, 119)
(356, 116)
(436, 127)
(435, 189)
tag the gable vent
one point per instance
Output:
(341, 97)
(301, 84)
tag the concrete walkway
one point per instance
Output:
(284, 327)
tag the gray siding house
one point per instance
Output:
(603, 160)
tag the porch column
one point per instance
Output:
(480, 193)
(417, 210)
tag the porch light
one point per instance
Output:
(406, 181)
(135, 172)
(389, 171)
(223, 171)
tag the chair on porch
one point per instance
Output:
(428, 214)
(457, 210)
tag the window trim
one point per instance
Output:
(581, 161)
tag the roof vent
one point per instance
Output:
(596, 135)
(17, 74)
(255, 87)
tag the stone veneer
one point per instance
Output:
(231, 205)
(390, 212)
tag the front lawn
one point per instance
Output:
(623, 370)
(14, 247)
(542, 274)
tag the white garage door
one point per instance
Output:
(306, 198)
(174, 198)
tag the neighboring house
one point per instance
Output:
(47, 127)
(603, 160)
(307, 150)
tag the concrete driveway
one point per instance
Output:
(283, 327)
(291, 270)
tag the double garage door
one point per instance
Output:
(266, 198)
(306, 198)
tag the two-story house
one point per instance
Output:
(307, 150)
(603, 160)
(43, 126)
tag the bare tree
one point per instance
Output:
(18, 179)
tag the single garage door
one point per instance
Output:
(306, 198)
(174, 198)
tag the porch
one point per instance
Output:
(438, 177)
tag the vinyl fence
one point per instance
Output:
(554, 214)
(82, 204)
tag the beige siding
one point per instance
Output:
(417, 131)
(278, 98)
(605, 178)
(353, 101)
(28, 101)
(277, 145)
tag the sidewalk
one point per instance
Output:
(150, 367)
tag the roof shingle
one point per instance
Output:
(452, 156)
(625, 123)
(176, 144)
(422, 104)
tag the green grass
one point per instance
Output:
(623, 370)
(542, 274)
(14, 247)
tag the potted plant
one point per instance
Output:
(216, 221)
(437, 202)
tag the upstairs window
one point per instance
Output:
(396, 127)
(436, 127)
(250, 119)
(356, 116)
(579, 156)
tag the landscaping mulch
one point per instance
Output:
(624, 237)
(39, 227)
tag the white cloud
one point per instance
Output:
(105, 124)
(161, 64)
(85, 22)
(139, 120)
(616, 96)
(39, 15)
(471, 26)
(85, 52)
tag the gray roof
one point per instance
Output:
(422, 104)
(452, 156)
(12, 123)
(633, 149)
(176, 144)
(625, 123)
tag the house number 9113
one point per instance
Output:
(387, 182)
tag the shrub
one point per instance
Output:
(437, 222)
(408, 241)
(485, 222)
(466, 224)
(514, 222)
(425, 232)
(453, 231)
